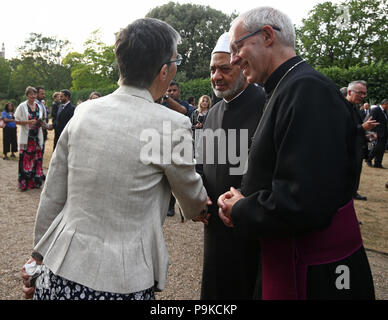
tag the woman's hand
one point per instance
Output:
(204, 217)
(28, 289)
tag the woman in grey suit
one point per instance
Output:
(98, 229)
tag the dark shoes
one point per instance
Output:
(171, 213)
(369, 163)
(5, 157)
(358, 196)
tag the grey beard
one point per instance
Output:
(232, 91)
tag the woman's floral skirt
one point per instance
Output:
(52, 287)
(30, 166)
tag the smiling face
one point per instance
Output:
(31, 96)
(249, 54)
(227, 80)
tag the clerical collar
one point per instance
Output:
(236, 96)
(275, 77)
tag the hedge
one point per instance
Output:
(195, 88)
(376, 76)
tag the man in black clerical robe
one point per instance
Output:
(357, 91)
(231, 264)
(296, 196)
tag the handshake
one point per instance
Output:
(225, 203)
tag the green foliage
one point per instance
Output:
(199, 27)
(375, 74)
(195, 88)
(346, 34)
(5, 77)
(39, 65)
(25, 74)
(83, 95)
(95, 67)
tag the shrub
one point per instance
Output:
(376, 76)
(195, 88)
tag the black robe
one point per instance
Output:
(361, 144)
(301, 171)
(230, 265)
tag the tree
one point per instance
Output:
(25, 74)
(44, 49)
(5, 76)
(346, 34)
(40, 64)
(199, 27)
(94, 68)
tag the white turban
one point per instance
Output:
(222, 44)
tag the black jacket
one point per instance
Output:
(378, 115)
(63, 117)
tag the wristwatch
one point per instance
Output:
(166, 96)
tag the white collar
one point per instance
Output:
(235, 96)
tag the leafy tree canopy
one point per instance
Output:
(199, 27)
(95, 67)
(353, 32)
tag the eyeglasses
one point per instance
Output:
(235, 48)
(178, 60)
(360, 93)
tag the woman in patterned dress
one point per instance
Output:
(28, 115)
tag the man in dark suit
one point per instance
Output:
(65, 113)
(365, 111)
(357, 91)
(379, 114)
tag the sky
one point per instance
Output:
(75, 20)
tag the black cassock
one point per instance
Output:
(231, 264)
(301, 171)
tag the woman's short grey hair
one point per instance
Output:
(257, 18)
(141, 50)
(29, 90)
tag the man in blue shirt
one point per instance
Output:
(173, 96)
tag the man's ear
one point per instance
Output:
(269, 35)
(163, 72)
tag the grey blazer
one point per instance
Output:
(100, 216)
